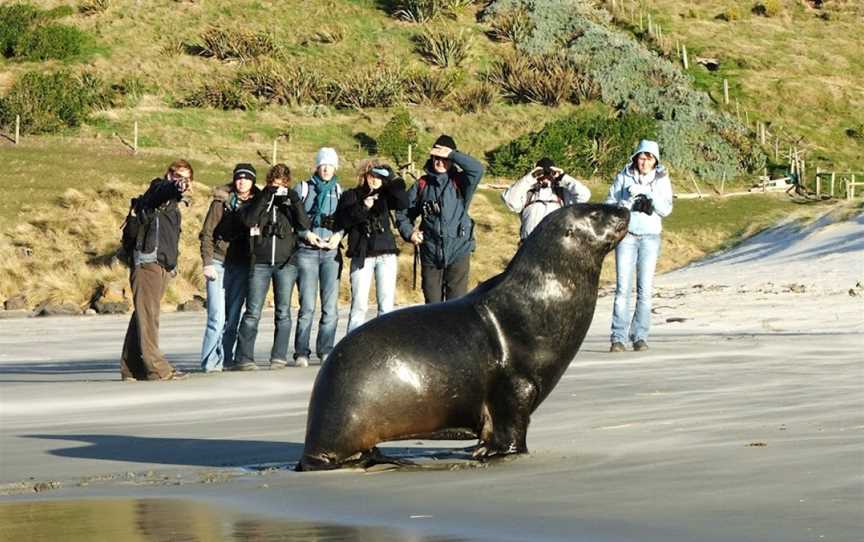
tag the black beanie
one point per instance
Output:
(545, 163)
(445, 141)
(244, 171)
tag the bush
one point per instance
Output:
(234, 44)
(92, 7)
(768, 8)
(585, 144)
(50, 42)
(274, 83)
(218, 95)
(399, 132)
(15, 22)
(50, 101)
(417, 11)
(381, 87)
(443, 47)
(429, 87)
(546, 79)
(512, 25)
(475, 98)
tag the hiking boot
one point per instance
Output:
(301, 361)
(246, 366)
(617, 347)
(276, 364)
(640, 346)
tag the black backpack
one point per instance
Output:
(133, 230)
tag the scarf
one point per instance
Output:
(322, 191)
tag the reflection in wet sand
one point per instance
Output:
(165, 520)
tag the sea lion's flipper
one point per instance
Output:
(510, 408)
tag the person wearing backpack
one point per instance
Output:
(644, 187)
(364, 214)
(544, 189)
(225, 257)
(445, 236)
(274, 218)
(319, 259)
(151, 238)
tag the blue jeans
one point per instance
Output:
(225, 298)
(319, 274)
(385, 269)
(284, 277)
(639, 252)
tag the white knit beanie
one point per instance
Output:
(326, 155)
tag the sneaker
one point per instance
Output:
(617, 347)
(640, 346)
(276, 364)
(246, 366)
(301, 361)
(176, 375)
(211, 370)
(128, 378)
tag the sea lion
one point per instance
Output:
(475, 367)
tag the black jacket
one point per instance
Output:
(277, 219)
(162, 235)
(368, 229)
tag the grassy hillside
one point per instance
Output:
(65, 194)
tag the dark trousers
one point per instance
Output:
(447, 283)
(142, 358)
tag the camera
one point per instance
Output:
(430, 209)
(282, 191)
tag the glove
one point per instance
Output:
(643, 204)
(637, 189)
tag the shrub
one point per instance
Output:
(543, 79)
(429, 87)
(327, 34)
(50, 42)
(512, 25)
(234, 44)
(381, 87)
(585, 144)
(218, 95)
(92, 7)
(475, 98)
(58, 13)
(768, 8)
(50, 101)
(275, 83)
(15, 22)
(399, 132)
(731, 13)
(443, 47)
(131, 89)
(417, 11)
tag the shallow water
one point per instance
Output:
(163, 520)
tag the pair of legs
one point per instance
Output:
(318, 276)
(384, 268)
(283, 277)
(142, 359)
(443, 284)
(225, 297)
(639, 252)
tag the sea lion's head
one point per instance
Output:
(577, 235)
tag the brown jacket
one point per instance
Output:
(223, 235)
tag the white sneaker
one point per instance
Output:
(301, 361)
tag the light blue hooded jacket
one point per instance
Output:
(656, 185)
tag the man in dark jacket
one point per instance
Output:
(445, 236)
(274, 217)
(153, 262)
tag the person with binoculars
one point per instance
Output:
(274, 218)
(319, 259)
(364, 214)
(544, 189)
(644, 187)
(445, 236)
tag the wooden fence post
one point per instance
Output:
(726, 91)
(818, 182)
(17, 128)
(135, 138)
(833, 176)
(684, 57)
(275, 151)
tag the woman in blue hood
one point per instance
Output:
(643, 186)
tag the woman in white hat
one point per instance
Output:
(643, 186)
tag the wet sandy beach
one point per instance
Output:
(745, 421)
